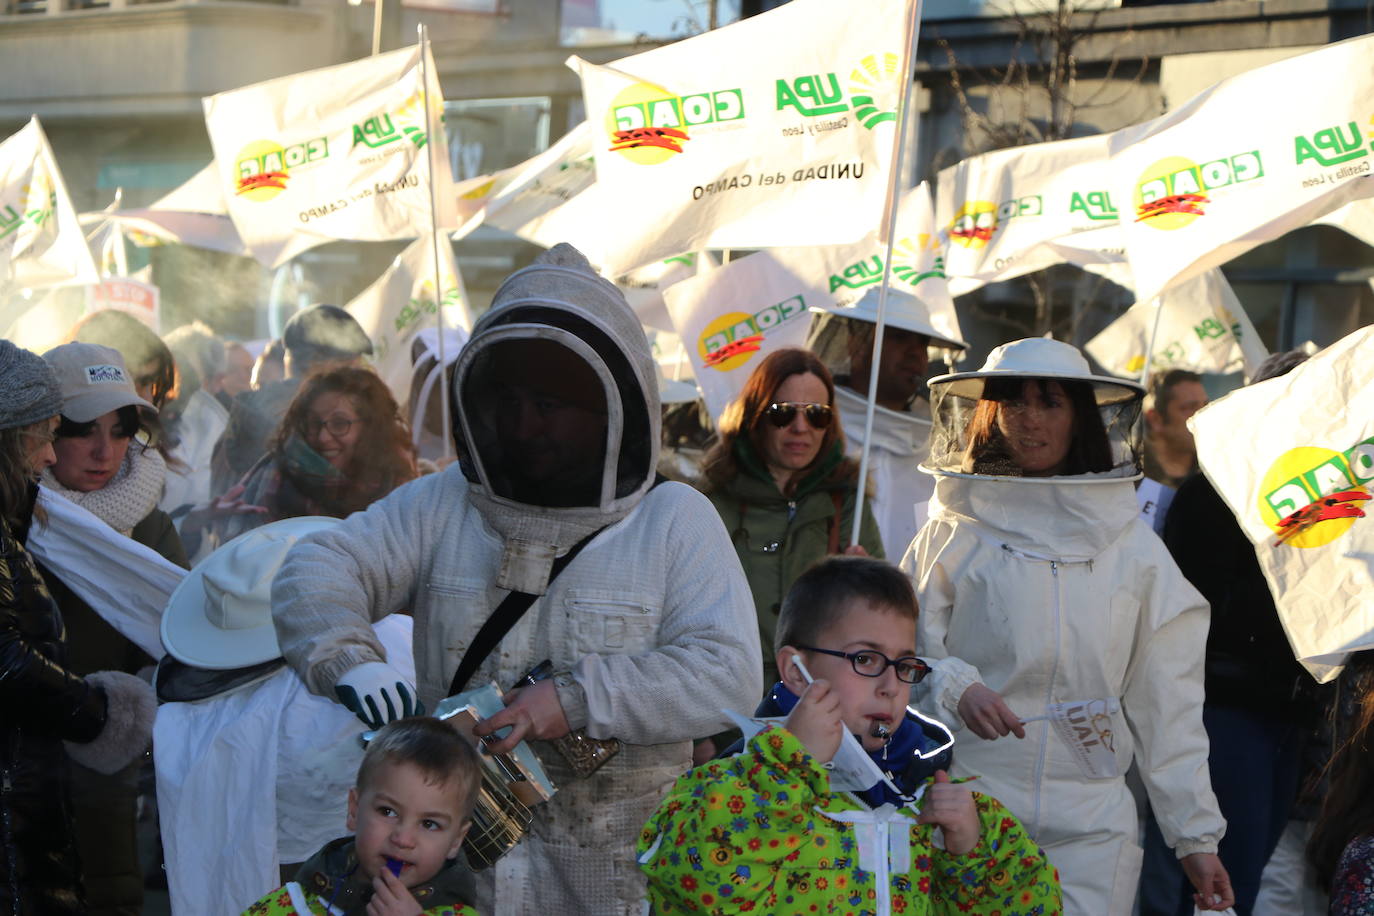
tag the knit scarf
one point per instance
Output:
(130, 495)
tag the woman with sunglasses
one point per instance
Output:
(1050, 613)
(342, 446)
(780, 480)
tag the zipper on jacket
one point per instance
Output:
(1042, 756)
(7, 839)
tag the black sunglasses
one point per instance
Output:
(782, 413)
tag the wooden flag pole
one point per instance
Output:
(423, 32)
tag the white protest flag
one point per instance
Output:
(41, 241)
(336, 153)
(731, 317)
(195, 214)
(775, 130)
(1202, 327)
(1018, 210)
(846, 272)
(644, 286)
(1356, 218)
(1244, 162)
(1294, 459)
(401, 302)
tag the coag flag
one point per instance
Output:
(402, 301)
(775, 130)
(1202, 327)
(41, 242)
(731, 317)
(1294, 459)
(1018, 210)
(1244, 162)
(337, 153)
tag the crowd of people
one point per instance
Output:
(737, 708)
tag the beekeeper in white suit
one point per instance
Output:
(1040, 586)
(842, 336)
(650, 627)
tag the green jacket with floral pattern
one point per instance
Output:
(762, 833)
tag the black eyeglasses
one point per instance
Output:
(782, 413)
(337, 427)
(871, 663)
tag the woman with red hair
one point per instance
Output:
(780, 480)
(341, 446)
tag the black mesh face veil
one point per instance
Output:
(967, 437)
(529, 366)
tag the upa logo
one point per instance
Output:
(873, 87)
(1310, 496)
(1334, 145)
(264, 166)
(1095, 205)
(37, 207)
(1172, 193)
(910, 257)
(731, 340)
(648, 124)
(380, 130)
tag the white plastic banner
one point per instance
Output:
(731, 317)
(1087, 729)
(1294, 459)
(126, 294)
(41, 242)
(1018, 210)
(1356, 218)
(195, 214)
(1244, 162)
(337, 153)
(1202, 327)
(775, 130)
(401, 302)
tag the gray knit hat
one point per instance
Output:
(28, 387)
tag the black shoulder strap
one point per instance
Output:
(506, 615)
(509, 612)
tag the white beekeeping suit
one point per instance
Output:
(650, 629)
(842, 336)
(1049, 590)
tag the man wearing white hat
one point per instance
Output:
(843, 338)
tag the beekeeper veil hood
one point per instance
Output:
(556, 413)
(1035, 412)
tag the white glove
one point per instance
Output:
(377, 693)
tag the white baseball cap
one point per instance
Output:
(93, 381)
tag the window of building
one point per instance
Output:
(613, 22)
(486, 135)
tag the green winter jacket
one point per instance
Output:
(762, 833)
(778, 538)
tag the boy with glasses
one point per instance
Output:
(765, 831)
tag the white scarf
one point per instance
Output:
(130, 495)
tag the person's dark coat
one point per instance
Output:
(44, 704)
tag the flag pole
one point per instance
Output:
(1150, 349)
(893, 183)
(423, 33)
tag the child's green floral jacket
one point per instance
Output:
(762, 833)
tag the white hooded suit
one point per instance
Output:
(1052, 591)
(653, 620)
